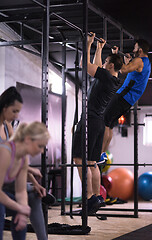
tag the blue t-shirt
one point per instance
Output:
(135, 83)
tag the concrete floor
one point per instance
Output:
(100, 230)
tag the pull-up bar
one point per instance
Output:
(81, 32)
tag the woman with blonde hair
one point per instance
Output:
(29, 139)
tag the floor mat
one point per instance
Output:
(64, 229)
(139, 234)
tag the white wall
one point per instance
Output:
(18, 68)
(2, 69)
(122, 148)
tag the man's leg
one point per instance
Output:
(107, 138)
(93, 202)
(89, 176)
(96, 180)
(117, 107)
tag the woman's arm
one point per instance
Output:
(21, 196)
(35, 171)
(20, 184)
(37, 187)
(5, 158)
(32, 172)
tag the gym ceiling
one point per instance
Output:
(119, 21)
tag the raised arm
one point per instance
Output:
(97, 57)
(97, 62)
(135, 65)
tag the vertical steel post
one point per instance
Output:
(135, 161)
(75, 121)
(44, 110)
(63, 173)
(84, 117)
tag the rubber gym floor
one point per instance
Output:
(108, 229)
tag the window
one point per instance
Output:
(55, 82)
(147, 132)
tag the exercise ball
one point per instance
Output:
(109, 161)
(145, 186)
(122, 183)
(103, 192)
(107, 182)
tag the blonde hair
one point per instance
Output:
(36, 130)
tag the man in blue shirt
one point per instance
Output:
(138, 70)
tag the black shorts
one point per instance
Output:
(115, 109)
(96, 129)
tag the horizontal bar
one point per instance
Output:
(39, 165)
(76, 165)
(112, 164)
(107, 44)
(17, 43)
(80, 30)
(57, 63)
(72, 69)
(117, 215)
(125, 209)
(17, 8)
(138, 124)
(68, 23)
(100, 215)
(67, 5)
(39, 4)
(129, 164)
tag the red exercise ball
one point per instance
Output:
(103, 192)
(107, 182)
(122, 183)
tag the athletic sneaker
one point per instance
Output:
(93, 205)
(103, 159)
(110, 200)
(102, 201)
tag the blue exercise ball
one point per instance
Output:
(145, 186)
